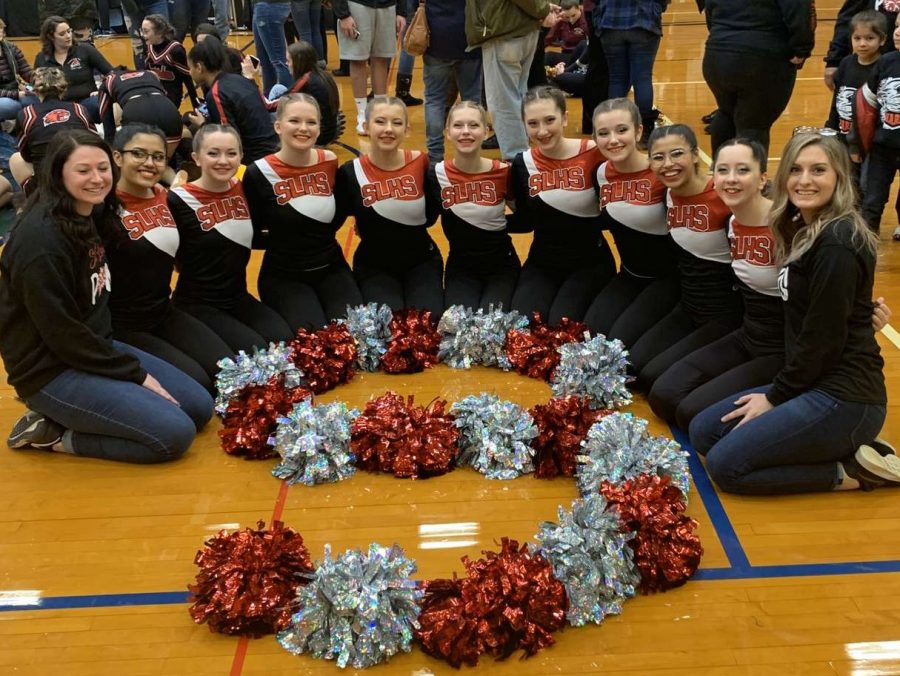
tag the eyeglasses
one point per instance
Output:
(819, 131)
(141, 155)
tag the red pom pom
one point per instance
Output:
(408, 441)
(251, 417)
(248, 580)
(533, 353)
(666, 549)
(414, 343)
(509, 601)
(562, 424)
(326, 357)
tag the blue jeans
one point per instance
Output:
(9, 108)
(92, 106)
(134, 17)
(794, 448)
(221, 12)
(307, 18)
(268, 32)
(506, 62)
(437, 74)
(120, 420)
(630, 55)
(406, 62)
(187, 15)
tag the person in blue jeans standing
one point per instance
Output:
(815, 427)
(268, 33)
(186, 15)
(630, 31)
(307, 20)
(87, 394)
(446, 60)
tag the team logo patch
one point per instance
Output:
(74, 64)
(131, 76)
(56, 116)
(889, 96)
(888, 5)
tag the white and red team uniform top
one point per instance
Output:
(392, 211)
(633, 209)
(296, 208)
(216, 238)
(142, 258)
(699, 225)
(753, 261)
(473, 214)
(556, 199)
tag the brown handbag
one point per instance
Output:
(417, 34)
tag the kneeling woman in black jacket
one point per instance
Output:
(87, 394)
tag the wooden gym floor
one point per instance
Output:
(96, 556)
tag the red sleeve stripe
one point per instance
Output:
(217, 101)
(30, 118)
(84, 117)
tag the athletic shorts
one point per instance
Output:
(155, 110)
(377, 33)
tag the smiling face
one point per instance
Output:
(219, 156)
(616, 135)
(811, 182)
(545, 124)
(673, 160)
(298, 126)
(149, 33)
(466, 130)
(142, 162)
(387, 126)
(88, 177)
(737, 176)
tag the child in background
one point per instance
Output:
(570, 32)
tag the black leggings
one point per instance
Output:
(752, 89)
(474, 289)
(559, 292)
(709, 375)
(247, 324)
(419, 286)
(313, 298)
(628, 306)
(183, 341)
(672, 338)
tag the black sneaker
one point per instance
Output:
(872, 470)
(491, 143)
(883, 447)
(706, 119)
(410, 100)
(340, 72)
(33, 429)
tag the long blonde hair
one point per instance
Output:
(794, 237)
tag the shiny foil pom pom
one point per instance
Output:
(236, 374)
(248, 579)
(562, 424)
(591, 557)
(534, 352)
(494, 436)
(414, 343)
(359, 609)
(470, 337)
(619, 447)
(326, 358)
(392, 435)
(594, 369)
(252, 416)
(509, 601)
(666, 548)
(314, 444)
(370, 326)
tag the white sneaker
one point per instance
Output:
(896, 235)
(885, 466)
(360, 129)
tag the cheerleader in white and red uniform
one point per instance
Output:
(213, 220)
(482, 267)
(710, 306)
(385, 191)
(141, 249)
(304, 275)
(633, 210)
(569, 261)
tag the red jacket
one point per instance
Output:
(570, 35)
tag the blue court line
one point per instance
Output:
(96, 601)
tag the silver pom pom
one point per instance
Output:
(476, 337)
(494, 436)
(370, 326)
(594, 369)
(619, 448)
(235, 374)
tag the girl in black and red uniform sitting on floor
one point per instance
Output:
(216, 236)
(39, 123)
(482, 267)
(710, 306)
(304, 275)
(569, 261)
(633, 209)
(396, 262)
(166, 57)
(141, 250)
